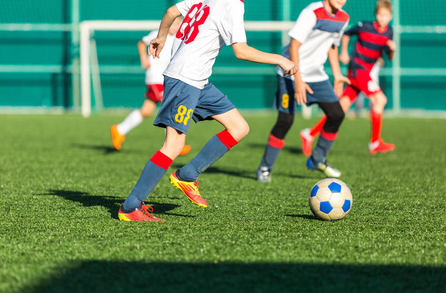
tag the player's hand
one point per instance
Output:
(338, 84)
(344, 58)
(391, 45)
(300, 92)
(289, 67)
(155, 47)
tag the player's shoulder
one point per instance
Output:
(319, 11)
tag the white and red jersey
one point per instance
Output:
(154, 74)
(317, 30)
(208, 25)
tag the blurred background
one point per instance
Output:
(46, 45)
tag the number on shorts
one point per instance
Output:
(285, 101)
(195, 16)
(183, 114)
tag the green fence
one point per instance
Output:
(39, 53)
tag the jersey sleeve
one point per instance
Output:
(184, 6)
(354, 30)
(152, 35)
(303, 26)
(232, 26)
(337, 40)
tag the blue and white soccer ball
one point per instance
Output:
(330, 199)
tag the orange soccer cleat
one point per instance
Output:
(190, 189)
(380, 146)
(139, 214)
(117, 138)
(185, 150)
(307, 141)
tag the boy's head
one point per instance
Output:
(336, 4)
(383, 12)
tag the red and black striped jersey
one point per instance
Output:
(372, 41)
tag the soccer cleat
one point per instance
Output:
(139, 214)
(264, 174)
(185, 150)
(190, 189)
(307, 141)
(324, 167)
(380, 146)
(117, 138)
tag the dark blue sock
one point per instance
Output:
(213, 150)
(150, 176)
(270, 157)
(321, 150)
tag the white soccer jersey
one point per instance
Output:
(207, 26)
(154, 74)
(317, 30)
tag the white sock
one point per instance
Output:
(131, 121)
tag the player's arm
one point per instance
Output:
(344, 57)
(339, 79)
(142, 50)
(391, 49)
(244, 52)
(301, 88)
(156, 45)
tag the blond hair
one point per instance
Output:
(386, 4)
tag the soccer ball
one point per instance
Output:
(330, 199)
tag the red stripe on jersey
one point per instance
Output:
(322, 14)
(380, 30)
(276, 142)
(366, 65)
(373, 38)
(367, 52)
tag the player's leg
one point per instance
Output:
(156, 167)
(324, 96)
(212, 104)
(153, 95)
(179, 102)
(307, 135)
(376, 144)
(276, 141)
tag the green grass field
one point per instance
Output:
(61, 186)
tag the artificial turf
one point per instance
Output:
(62, 183)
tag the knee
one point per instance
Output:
(145, 112)
(283, 125)
(241, 131)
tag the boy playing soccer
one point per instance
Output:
(154, 82)
(373, 39)
(315, 35)
(207, 26)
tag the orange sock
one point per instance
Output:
(318, 126)
(376, 120)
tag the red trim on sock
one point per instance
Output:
(161, 160)
(226, 138)
(376, 120)
(329, 135)
(276, 142)
(318, 126)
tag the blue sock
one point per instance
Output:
(154, 170)
(321, 150)
(272, 151)
(270, 157)
(214, 149)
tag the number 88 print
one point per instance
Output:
(183, 115)
(195, 17)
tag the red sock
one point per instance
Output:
(276, 142)
(318, 126)
(376, 120)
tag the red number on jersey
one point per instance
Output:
(195, 16)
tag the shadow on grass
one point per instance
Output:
(291, 150)
(217, 170)
(104, 276)
(112, 203)
(106, 149)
